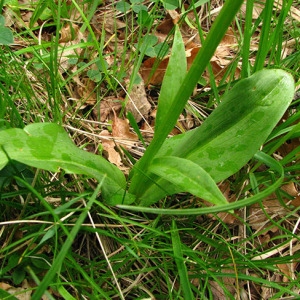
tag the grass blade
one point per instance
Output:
(56, 266)
(181, 267)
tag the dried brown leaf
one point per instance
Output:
(110, 152)
(121, 129)
(68, 32)
(4, 286)
(138, 103)
(86, 91)
(152, 73)
(296, 201)
(165, 26)
(218, 290)
(287, 270)
(108, 107)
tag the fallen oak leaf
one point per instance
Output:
(109, 150)
(105, 110)
(121, 129)
(137, 103)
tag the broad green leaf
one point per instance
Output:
(94, 75)
(236, 129)
(144, 19)
(2, 21)
(18, 275)
(170, 4)
(6, 36)
(260, 156)
(137, 8)
(231, 135)
(47, 146)
(187, 176)
(123, 6)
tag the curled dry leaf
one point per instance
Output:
(138, 103)
(121, 129)
(107, 108)
(153, 71)
(69, 32)
(109, 150)
(86, 91)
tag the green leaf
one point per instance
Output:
(40, 261)
(2, 21)
(235, 130)
(187, 176)
(175, 72)
(170, 4)
(260, 156)
(94, 75)
(48, 235)
(18, 275)
(148, 42)
(123, 6)
(6, 36)
(6, 296)
(144, 19)
(139, 7)
(47, 146)
(161, 49)
(231, 135)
